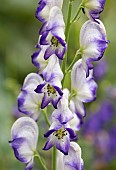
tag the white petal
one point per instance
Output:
(91, 32)
(73, 157)
(52, 73)
(55, 18)
(31, 81)
(26, 127)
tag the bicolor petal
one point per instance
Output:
(60, 136)
(84, 88)
(24, 136)
(53, 73)
(72, 161)
(38, 59)
(62, 113)
(52, 94)
(93, 42)
(31, 81)
(54, 36)
(28, 100)
(51, 87)
(93, 8)
(44, 8)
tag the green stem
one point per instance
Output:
(46, 118)
(40, 160)
(78, 11)
(75, 59)
(68, 24)
(70, 66)
(54, 154)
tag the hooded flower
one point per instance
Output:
(93, 43)
(24, 136)
(84, 89)
(72, 161)
(51, 87)
(28, 100)
(53, 34)
(59, 135)
(93, 8)
(63, 113)
(44, 8)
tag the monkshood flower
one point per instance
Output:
(51, 86)
(67, 112)
(59, 135)
(93, 8)
(63, 112)
(52, 34)
(24, 136)
(72, 161)
(28, 100)
(44, 7)
(93, 43)
(83, 89)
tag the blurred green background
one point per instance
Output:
(18, 36)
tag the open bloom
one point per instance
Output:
(93, 8)
(93, 42)
(59, 135)
(24, 136)
(84, 89)
(28, 100)
(53, 34)
(44, 7)
(72, 161)
(51, 86)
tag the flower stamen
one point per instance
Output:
(54, 41)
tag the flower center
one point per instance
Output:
(60, 133)
(54, 41)
(50, 89)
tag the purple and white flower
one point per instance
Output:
(38, 58)
(51, 87)
(84, 89)
(93, 42)
(63, 113)
(44, 8)
(24, 136)
(59, 135)
(28, 100)
(72, 161)
(93, 8)
(52, 34)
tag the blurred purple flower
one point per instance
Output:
(100, 69)
(96, 121)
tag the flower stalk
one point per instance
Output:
(54, 155)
